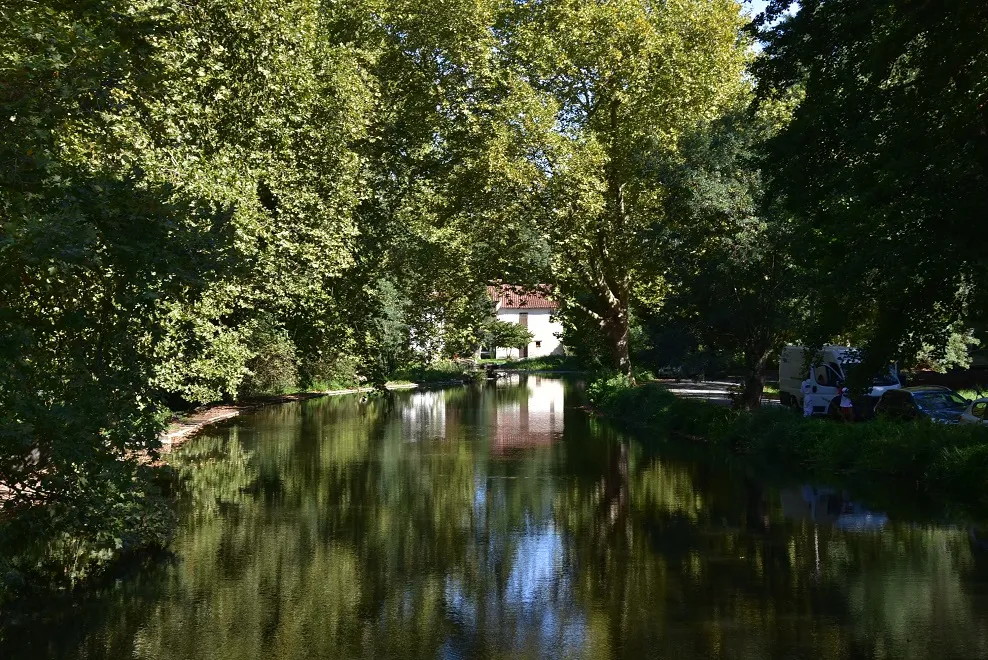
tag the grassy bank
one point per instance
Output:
(944, 460)
(441, 371)
(544, 363)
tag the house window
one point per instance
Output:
(538, 344)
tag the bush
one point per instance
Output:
(107, 515)
(544, 363)
(330, 372)
(274, 368)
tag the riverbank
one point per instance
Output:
(184, 426)
(948, 461)
(547, 364)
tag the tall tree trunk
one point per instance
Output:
(751, 395)
(754, 380)
(614, 272)
(618, 333)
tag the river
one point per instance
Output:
(501, 521)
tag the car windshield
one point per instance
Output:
(940, 401)
(881, 379)
(888, 378)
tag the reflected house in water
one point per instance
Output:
(829, 506)
(534, 419)
(528, 413)
(424, 417)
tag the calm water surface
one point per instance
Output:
(500, 522)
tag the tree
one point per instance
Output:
(729, 246)
(956, 353)
(442, 170)
(625, 79)
(259, 107)
(887, 160)
(176, 215)
(503, 334)
(93, 250)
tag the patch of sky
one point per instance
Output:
(755, 7)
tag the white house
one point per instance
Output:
(532, 310)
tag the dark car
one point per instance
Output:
(939, 404)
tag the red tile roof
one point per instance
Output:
(506, 296)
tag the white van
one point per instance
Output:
(827, 368)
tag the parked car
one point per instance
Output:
(939, 404)
(976, 412)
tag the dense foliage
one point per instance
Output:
(625, 80)
(94, 249)
(726, 243)
(887, 160)
(210, 200)
(949, 461)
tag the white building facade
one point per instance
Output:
(533, 311)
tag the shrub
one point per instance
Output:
(108, 514)
(545, 363)
(274, 368)
(330, 372)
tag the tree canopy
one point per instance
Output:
(212, 200)
(625, 80)
(886, 158)
(726, 245)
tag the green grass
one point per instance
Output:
(544, 363)
(950, 461)
(332, 385)
(441, 371)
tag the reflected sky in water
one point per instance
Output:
(499, 521)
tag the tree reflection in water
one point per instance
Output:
(499, 521)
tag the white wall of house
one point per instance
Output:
(541, 325)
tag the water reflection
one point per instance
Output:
(829, 506)
(533, 416)
(424, 417)
(500, 522)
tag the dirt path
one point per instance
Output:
(713, 391)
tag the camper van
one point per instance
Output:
(827, 369)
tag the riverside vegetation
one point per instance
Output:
(946, 460)
(211, 200)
